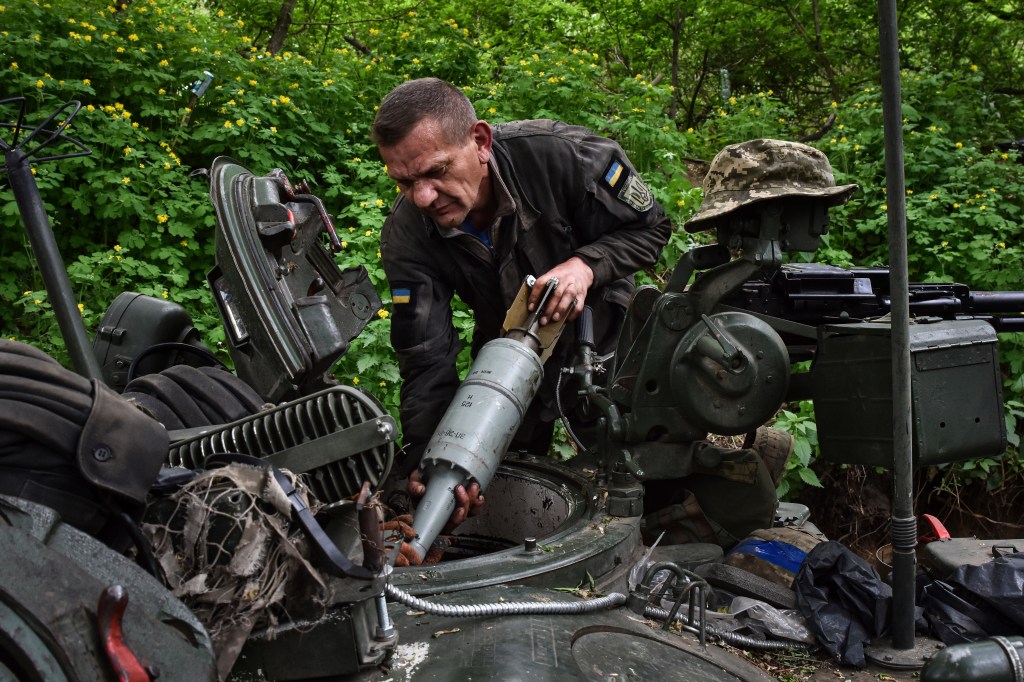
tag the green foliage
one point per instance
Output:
(132, 217)
(801, 426)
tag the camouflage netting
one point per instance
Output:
(230, 553)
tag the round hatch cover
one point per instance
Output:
(610, 654)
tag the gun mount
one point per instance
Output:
(715, 356)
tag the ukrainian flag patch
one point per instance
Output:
(615, 173)
(400, 296)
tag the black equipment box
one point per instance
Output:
(956, 392)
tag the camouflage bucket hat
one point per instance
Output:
(748, 172)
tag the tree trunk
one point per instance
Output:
(676, 25)
(284, 22)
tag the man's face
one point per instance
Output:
(445, 181)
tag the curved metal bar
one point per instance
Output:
(55, 135)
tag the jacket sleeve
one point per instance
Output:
(619, 226)
(422, 333)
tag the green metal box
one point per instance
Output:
(956, 392)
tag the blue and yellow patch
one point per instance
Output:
(400, 296)
(615, 173)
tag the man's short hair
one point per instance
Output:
(416, 100)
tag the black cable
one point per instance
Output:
(580, 447)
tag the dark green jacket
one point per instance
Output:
(574, 193)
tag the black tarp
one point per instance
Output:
(844, 600)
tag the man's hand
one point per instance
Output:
(399, 529)
(574, 281)
(468, 502)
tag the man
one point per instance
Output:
(481, 208)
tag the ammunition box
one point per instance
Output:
(956, 392)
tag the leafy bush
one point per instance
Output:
(132, 217)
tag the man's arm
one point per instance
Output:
(422, 334)
(618, 225)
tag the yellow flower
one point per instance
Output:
(382, 314)
(379, 202)
(355, 380)
(37, 301)
(161, 91)
(164, 294)
(162, 218)
(81, 307)
(959, 145)
(974, 67)
(14, 66)
(117, 247)
(273, 129)
(164, 62)
(383, 384)
(86, 81)
(40, 84)
(956, 205)
(240, 122)
(127, 151)
(492, 110)
(1002, 245)
(227, 124)
(344, 245)
(945, 243)
(132, 37)
(369, 232)
(125, 181)
(681, 202)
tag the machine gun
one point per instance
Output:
(714, 357)
(815, 294)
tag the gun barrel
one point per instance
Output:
(997, 301)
